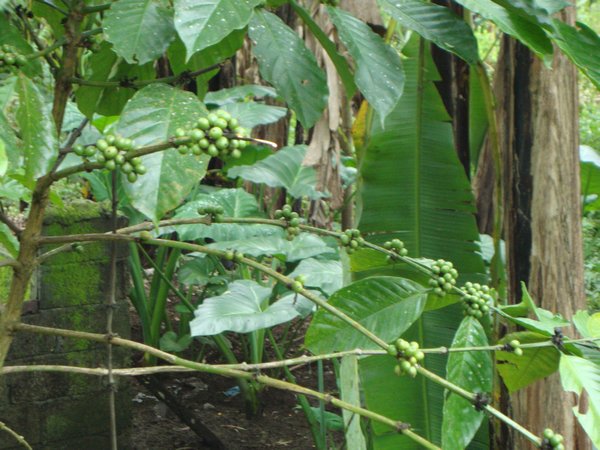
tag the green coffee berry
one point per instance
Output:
(444, 277)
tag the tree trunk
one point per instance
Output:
(542, 214)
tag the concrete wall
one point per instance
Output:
(57, 411)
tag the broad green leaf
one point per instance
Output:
(107, 66)
(301, 304)
(242, 308)
(583, 378)
(239, 93)
(535, 363)
(38, 133)
(140, 30)
(582, 46)
(340, 63)
(286, 63)
(8, 240)
(436, 24)
(282, 169)
(473, 372)
(170, 342)
(151, 117)
(398, 397)
(387, 306)
(413, 186)
(323, 274)
(333, 422)
(12, 36)
(251, 114)
(530, 34)
(379, 74)
(202, 24)
(304, 246)
(350, 392)
(197, 270)
(588, 325)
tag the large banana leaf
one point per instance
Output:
(414, 188)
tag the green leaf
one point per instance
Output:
(8, 240)
(530, 34)
(340, 63)
(379, 74)
(473, 372)
(323, 274)
(387, 306)
(38, 132)
(251, 114)
(104, 66)
(242, 308)
(239, 93)
(582, 46)
(583, 378)
(350, 392)
(397, 397)
(333, 422)
(140, 30)
(535, 363)
(170, 342)
(413, 185)
(540, 11)
(151, 117)
(202, 24)
(436, 24)
(282, 169)
(286, 63)
(588, 325)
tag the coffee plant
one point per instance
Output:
(118, 94)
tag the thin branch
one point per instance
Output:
(9, 223)
(20, 439)
(9, 263)
(75, 133)
(399, 426)
(173, 79)
(95, 8)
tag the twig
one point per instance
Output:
(20, 439)
(173, 79)
(9, 263)
(9, 223)
(399, 426)
(69, 144)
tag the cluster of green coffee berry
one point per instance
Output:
(214, 135)
(234, 255)
(444, 277)
(113, 152)
(477, 299)
(513, 346)
(396, 246)
(409, 356)
(292, 218)
(351, 239)
(10, 57)
(214, 211)
(552, 440)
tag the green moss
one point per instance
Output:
(72, 285)
(5, 277)
(76, 211)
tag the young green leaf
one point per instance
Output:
(140, 30)
(286, 63)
